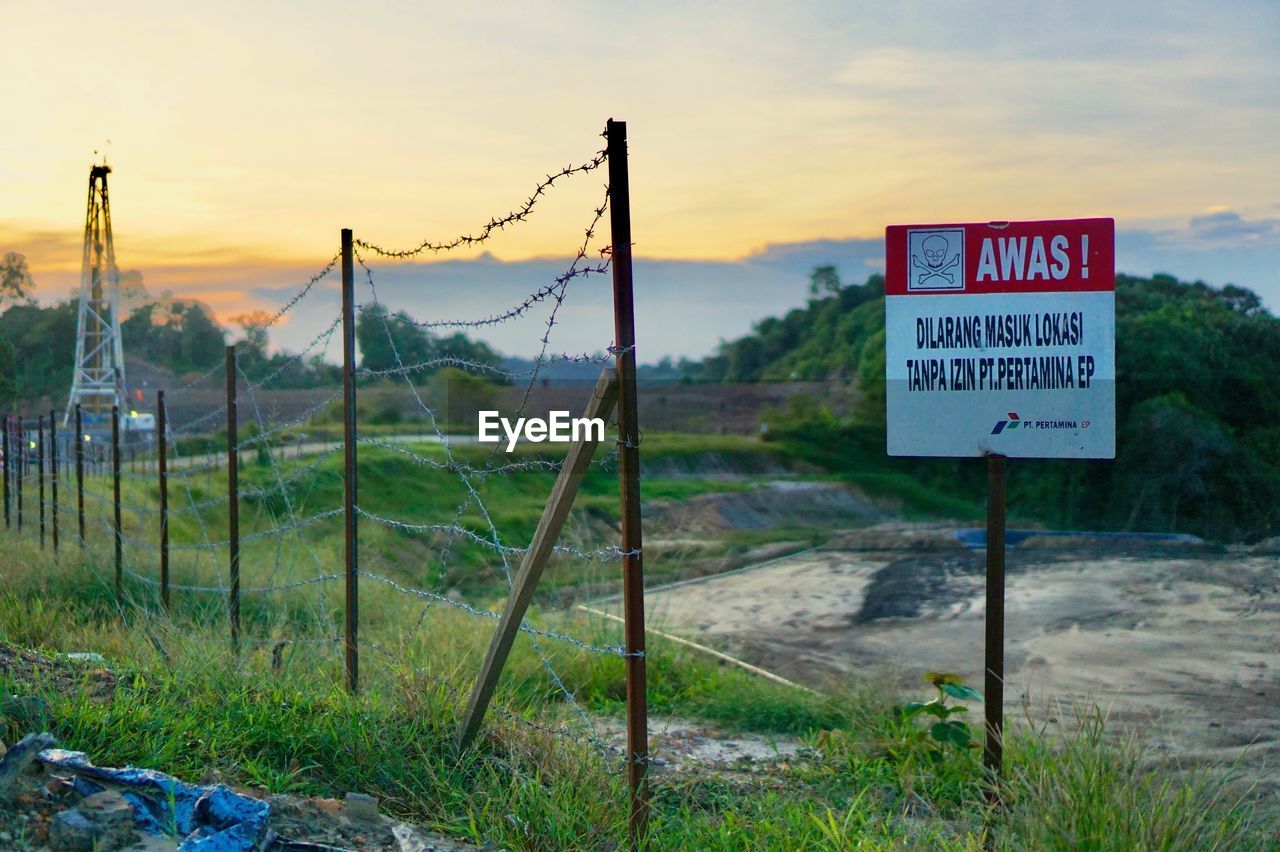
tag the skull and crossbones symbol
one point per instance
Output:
(935, 263)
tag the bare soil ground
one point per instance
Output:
(683, 746)
(1180, 643)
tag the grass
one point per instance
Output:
(395, 485)
(184, 703)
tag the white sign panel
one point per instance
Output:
(1000, 339)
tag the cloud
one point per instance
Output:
(683, 307)
(1229, 227)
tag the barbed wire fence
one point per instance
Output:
(173, 513)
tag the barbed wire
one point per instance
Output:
(496, 223)
(557, 290)
(472, 496)
(436, 363)
(606, 554)
(259, 535)
(326, 335)
(283, 517)
(265, 436)
(191, 502)
(304, 291)
(280, 484)
(221, 590)
(193, 382)
(602, 650)
(455, 466)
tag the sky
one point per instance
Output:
(765, 138)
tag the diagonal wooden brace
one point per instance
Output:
(572, 472)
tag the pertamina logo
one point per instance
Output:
(1014, 422)
(1011, 423)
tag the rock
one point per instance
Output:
(408, 839)
(361, 807)
(328, 806)
(88, 657)
(1268, 546)
(102, 822)
(72, 830)
(17, 759)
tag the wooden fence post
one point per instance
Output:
(572, 471)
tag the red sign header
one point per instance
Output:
(1054, 256)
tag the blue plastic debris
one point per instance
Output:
(209, 819)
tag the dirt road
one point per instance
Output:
(1178, 642)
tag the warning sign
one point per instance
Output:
(1000, 338)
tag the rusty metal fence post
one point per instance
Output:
(40, 472)
(162, 468)
(8, 468)
(350, 531)
(20, 467)
(80, 475)
(629, 474)
(53, 475)
(233, 501)
(115, 490)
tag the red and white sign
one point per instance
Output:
(1000, 338)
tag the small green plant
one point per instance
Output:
(946, 730)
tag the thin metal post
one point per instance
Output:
(80, 475)
(351, 539)
(162, 466)
(629, 473)
(20, 468)
(233, 502)
(8, 468)
(115, 490)
(993, 691)
(53, 474)
(40, 471)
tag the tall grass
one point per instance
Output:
(275, 717)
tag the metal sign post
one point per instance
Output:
(993, 680)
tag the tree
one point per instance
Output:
(252, 351)
(383, 335)
(824, 281)
(16, 283)
(181, 335)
